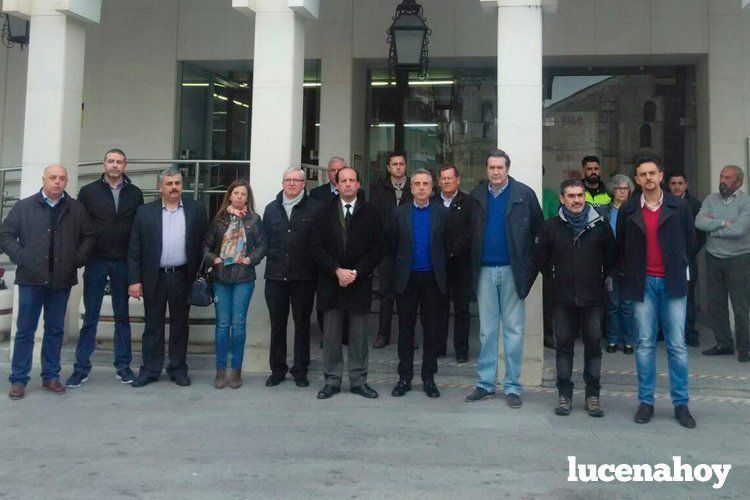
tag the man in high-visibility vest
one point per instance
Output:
(597, 193)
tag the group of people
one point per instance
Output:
(628, 257)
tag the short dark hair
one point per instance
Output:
(648, 159)
(498, 153)
(677, 173)
(356, 174)
(393, 154)
(450, 167)
(568, 183)
(117, 151)
(590, 158)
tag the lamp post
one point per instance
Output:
(408, 37)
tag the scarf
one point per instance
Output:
(577, 222)
(290, 204)
(233, 244)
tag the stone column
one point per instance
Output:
(276, 139)
(519, 129)
(54, 90)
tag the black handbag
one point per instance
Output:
(200, 290)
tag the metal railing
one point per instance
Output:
(184, 165)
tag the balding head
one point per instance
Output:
(730, 180)
(54, 181)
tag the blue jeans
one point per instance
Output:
(620, 328)
(231, 301)
(658, 307)
(499, 301)
(94, 281)
(31, 299)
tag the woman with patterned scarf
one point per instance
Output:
(235, 243)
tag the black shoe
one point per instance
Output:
(441, 354)
(365, 391)
(328, 391)
(275, 379)
(513, 400)
(380, 342)
(76, 379)
(430, 389)
(143, 380)
(462, 358)
(402, 387)
(181, 379)
(478, 395)
(549, 342)
(693, 342)
(125, 376)
(683, 416)
(743, 357)
(611, 347)
(644, 413)
(628, 349)
(718, 350)
(300, 381)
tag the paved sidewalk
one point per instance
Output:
(105, 439)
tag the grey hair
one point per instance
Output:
(169, 172)
(335, 159)
(618, 179)
(294, 169)
(54, 165)
(738, 170)
(422, 171)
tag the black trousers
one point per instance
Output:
(279, 296)
(385, 290)
(421, 295)
(459, 291)
(568, 321)
(690, 332)
(171, 290)
(729, 278)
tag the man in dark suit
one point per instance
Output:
(163, 257)
(458, 251)
(678, 186)
(418, 245)
(387, 194)
(328, 191)
(347, 243)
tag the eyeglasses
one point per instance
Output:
(293, 181)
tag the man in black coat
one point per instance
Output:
(655, 238)
(163, 258)
(576, 251)
(678, 186)
(347, 243)
(48, 236)
(458, 251)
(386, 194)
(328, 191)
(111, 202)
(291, 274)
(420, 282)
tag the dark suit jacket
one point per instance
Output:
(144, 251)
(322, 193)
(365, 247)
(676, 236)
(402, 244)
(458, 229)
(695, 207)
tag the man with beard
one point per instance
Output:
(725, 217)
(597, 193)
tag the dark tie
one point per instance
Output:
(348, 216)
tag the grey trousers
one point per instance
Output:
(729, 277)
(333, 356)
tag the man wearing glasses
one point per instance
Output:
(291, 274)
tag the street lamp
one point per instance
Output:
(407, 39)
(14, 31)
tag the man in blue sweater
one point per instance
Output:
(503, 271)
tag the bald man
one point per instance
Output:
(48, 236)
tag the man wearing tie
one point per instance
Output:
(163, 257)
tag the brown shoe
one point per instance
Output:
(16, 391)
(235, 379)
(220, 381)
(54, 386)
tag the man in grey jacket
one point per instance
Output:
(725, 217)
(48, 236)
